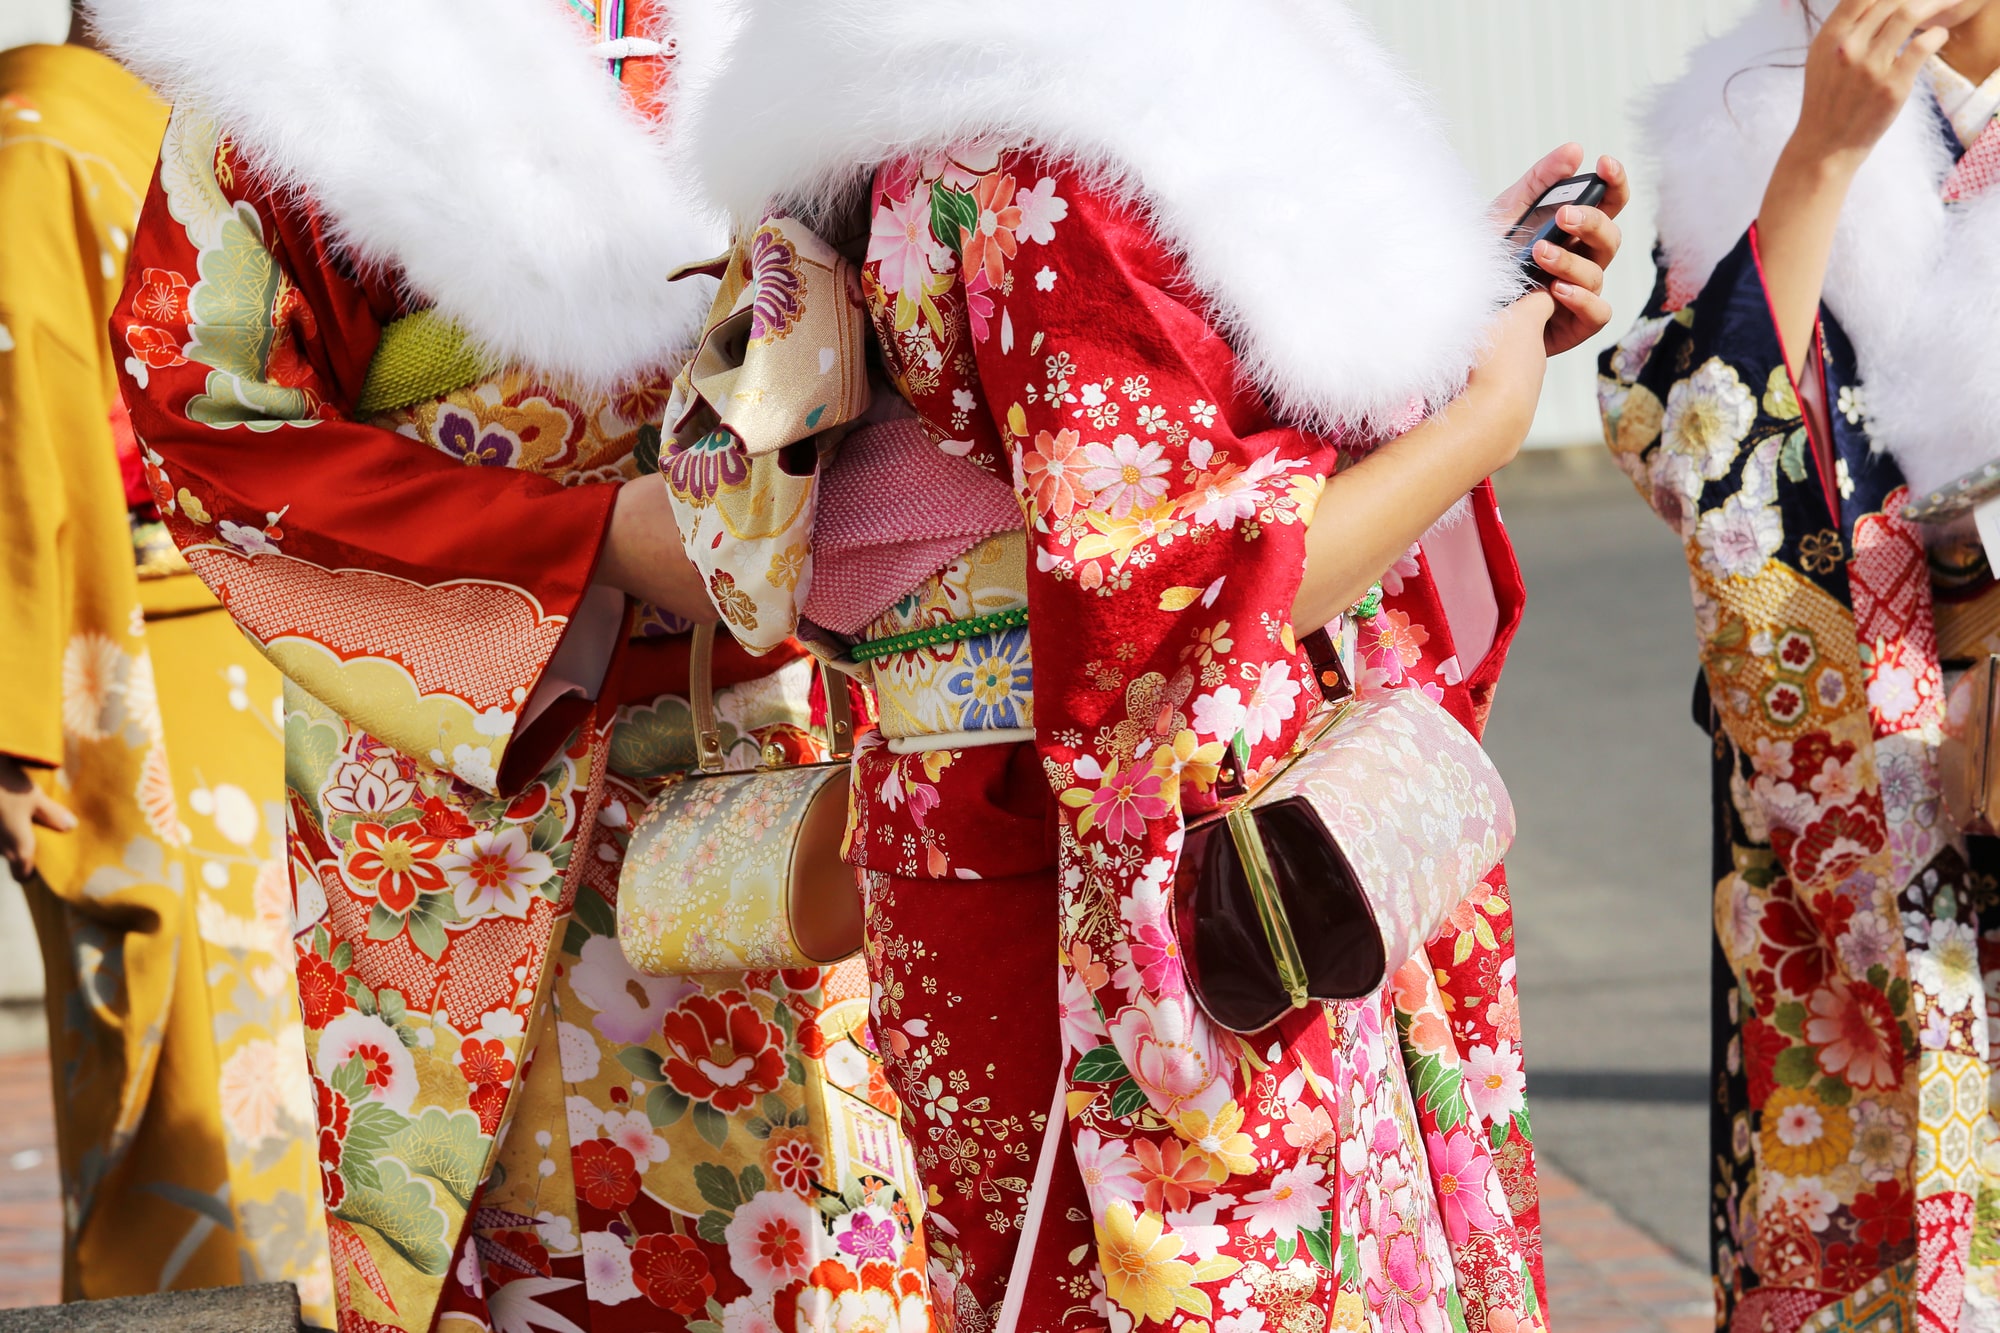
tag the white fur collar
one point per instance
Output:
(475, 146)
(1915, 286)
(1338, 241)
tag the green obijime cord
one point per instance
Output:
(1369, 606)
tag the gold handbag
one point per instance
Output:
(734, 872)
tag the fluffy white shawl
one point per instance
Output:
(1915, 285)
(475, 146)
(1337, 240)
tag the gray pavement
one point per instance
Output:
(1610, 867)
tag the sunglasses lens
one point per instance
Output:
(1230, 966)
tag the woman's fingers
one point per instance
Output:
(1598, 237)
(1587, 305)
(52, 814)
(1555, 165)
(1885, 32)
(1921, 48)
(1569, 266)
(1617, 186)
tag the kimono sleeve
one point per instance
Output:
(419, 597)
(65, 550)
(1166, 517)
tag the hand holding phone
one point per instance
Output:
(1540, 223)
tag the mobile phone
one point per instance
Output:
(1539, 222)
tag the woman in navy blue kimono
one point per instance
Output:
(1811, 363)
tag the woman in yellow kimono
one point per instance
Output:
(141, 731)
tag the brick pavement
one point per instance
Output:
(30, 1202)
(1605, 1275)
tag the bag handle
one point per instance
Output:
(701, 699)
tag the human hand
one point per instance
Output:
(1860, 70)
(23, 806)
(1581, 310)
(643, 556)
(1500, 398)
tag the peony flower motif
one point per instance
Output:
(774, 1239)
(1708, 414)
(1053, 470)
(629, 1004)
(461, 436)
(671, 1271)
(1947, 967)
(322, 990)
(900, 244)
(1495, 1083)
(393, 864)
(373, 787)
(1125, 474)
(1401, 1289)
(872, 1308)
(389, 1070)
(495, 873)
(722, 1050)
(606, 1175)
(1738, 537)
(1463, 1172)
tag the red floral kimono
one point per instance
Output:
(515, 1128)
(1095, 1152)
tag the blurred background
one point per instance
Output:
(1592, 727)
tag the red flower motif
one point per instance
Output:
(672, 1272)
(1855, 1034)
(485, 1061)
(1792, 945)
(444, 821)
(1762, 1045)
(1171, 1179)
(322, 990)
(489, 1102)
(1884, 1215)
(153, 347)
(1845, 1267)
(722, 1050)
(528, 804)
(1834, 844)
(162, 297)
(394, 865)
(605, 1174)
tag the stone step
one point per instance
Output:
(269, 1308)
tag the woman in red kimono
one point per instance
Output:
(1122, 315)
(394, 342)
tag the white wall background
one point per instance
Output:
(26, 21)
(1515, 78)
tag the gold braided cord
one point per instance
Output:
(421, 357)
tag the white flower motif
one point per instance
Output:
(1221, 714)
(251, 541)
(1041, 208)
(367, 788)
(1273, 699)
(1708, 414)
(495, 873)
(1292, 1204)
(1494, 1081)
(1045, 279)
(1126, 474)
(1737, 539)
(1948, 967)
(607, 1269)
